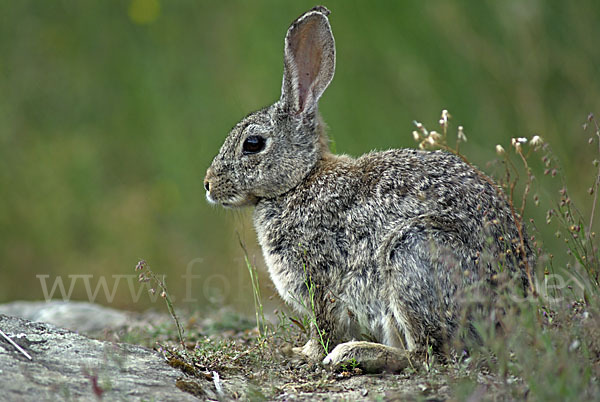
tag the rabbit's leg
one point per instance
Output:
(321, 340)
(330, 326)
(370, 357)
(425, 268)
(312, 351)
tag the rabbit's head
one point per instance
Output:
(272, 150)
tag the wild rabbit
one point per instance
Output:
(379, 248)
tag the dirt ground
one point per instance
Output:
(225, 358)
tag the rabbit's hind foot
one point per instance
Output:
(370, 357)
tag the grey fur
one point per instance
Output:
(392, 240)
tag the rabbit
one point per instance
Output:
(378, 249)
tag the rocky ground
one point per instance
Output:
(81, 351)
(66, 365)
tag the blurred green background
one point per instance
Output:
(111, 111)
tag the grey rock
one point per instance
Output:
(65, 366)
(81, 317)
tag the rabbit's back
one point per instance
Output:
(360, 200)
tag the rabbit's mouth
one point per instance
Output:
(237, 201)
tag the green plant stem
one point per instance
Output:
(261, 323)
(311, 294)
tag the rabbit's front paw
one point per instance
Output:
(312, 351)
(370, 357)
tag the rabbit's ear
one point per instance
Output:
(309, 60)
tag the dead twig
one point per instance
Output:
(20, 349)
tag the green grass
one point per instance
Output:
(261, 322)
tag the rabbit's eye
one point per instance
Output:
(253, 144)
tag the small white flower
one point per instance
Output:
(461, 134)
(431, 140)
(500, 150)
(445, 115)
(416, 135)
(444, 118)
(536, 140)
(421, 127)
(574, 345)
(516, 142)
